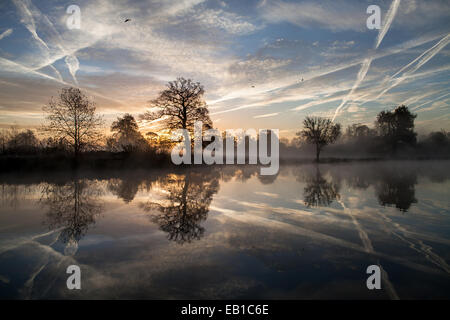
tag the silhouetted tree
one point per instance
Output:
(358, 131)
(126, 135)
(397, 127)
(52, 145)
(439, 139)
(23, 142)
(320, 132)
(180, 105)
(72, 117)
(4, 137)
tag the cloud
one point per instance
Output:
(73, 64)
(332, 15)
(420, 15)
(354, 108)
(230, 22)
(247, 58)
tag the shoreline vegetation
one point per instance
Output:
(71, 136)
(105, 161)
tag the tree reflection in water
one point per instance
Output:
(125, 189)
(185, 204)
(73, 207)
(394, 184)
(185, 196)
(319, 191)
(397, 188)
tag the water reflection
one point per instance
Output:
(72, 207)
(320, 191)
(12, 194)
(255, 232)
(394, 185)
(397, 188)
(185, 204)
(125, 189)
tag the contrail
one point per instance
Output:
(28, 21)
(17, 67)
(366, 63)
(421, 60)
(11, 66)
(6, 33)
(412, 62)
(57, 72)
(71, 60)
(380, 54)
(361, 75)
(438, 98)
(417, 98)
(388, 21)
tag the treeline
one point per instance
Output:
(126, 147)
(72, 134)
(385, 139)
(392, 136)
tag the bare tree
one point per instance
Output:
(180, 105)
(4, 138)
(320, 132)
(72, 116)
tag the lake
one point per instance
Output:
(226, 232)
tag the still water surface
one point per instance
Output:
(227, 232)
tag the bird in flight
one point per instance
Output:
(126, 20)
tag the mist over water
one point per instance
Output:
(228, 232)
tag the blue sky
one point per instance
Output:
(249, 55)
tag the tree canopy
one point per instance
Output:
(179, 106)
(72, 116)
(397, 127)
(320, 132)
(126, 136)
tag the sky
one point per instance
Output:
(250, 56)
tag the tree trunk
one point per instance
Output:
(317, 153)
(76, 157)
(76, 150)
(184, 124)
